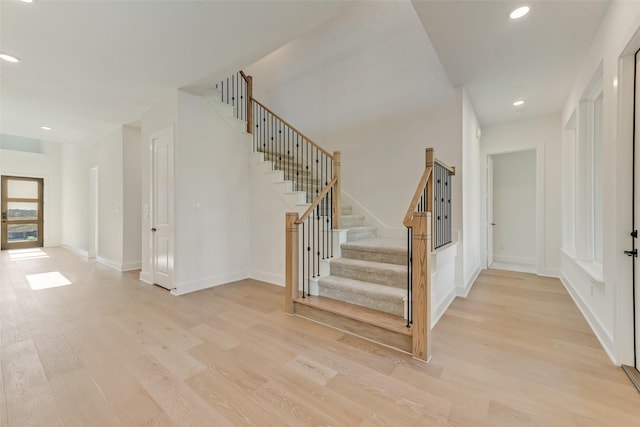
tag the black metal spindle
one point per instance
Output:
(332, 224)
(409, 276)
(303, 269)
(308, 251)
(317, 245)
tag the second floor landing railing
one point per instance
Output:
(237, 91)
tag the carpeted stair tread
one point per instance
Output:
(370, 271)
(367, 294)
(386, 250)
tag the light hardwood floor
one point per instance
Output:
(108, 350)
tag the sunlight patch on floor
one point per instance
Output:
(52, 279)
(20, 254)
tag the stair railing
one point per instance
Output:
(305, 163)
(309, 167)
(313, 231)
(237, 91)
(430, 209)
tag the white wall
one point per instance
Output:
(469, 264)
(106, 154)
(514, 207)
(41, 165)
(606, 301)
(110, 154)
(374, 60)
(369, 84)
(132, 193)
(544, 134)
(211, 198)
(267, 229)
(211, 188)
(75, 198)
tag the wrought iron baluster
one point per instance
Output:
(303, 269)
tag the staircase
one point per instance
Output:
(342, 275)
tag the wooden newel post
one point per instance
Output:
(250, 104)
(421, 304)
(291, 261)
(428, 158)
(336, 190)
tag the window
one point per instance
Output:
(569, 187)
(597, 188)
(583, 180)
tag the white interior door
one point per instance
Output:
(162, 208)
(490, 222)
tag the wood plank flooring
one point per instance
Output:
(108, 350)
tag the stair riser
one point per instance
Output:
(399, 258)
(380, 276)
(347, 221)
(396, 340)
(393, 306)
(352, 235)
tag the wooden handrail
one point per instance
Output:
(408, 218)
(293, 129)
(317, 201)
(451, 169)
(244, 76)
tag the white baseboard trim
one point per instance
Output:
(208, 282)
(463, 291)
(129, 266)
(146, 277)
(441, 308)
(514, 259)
(76, 251)
(592, 320)
(274, 279)
(109, 263)
(549, 272)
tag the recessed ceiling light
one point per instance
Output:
(26, 1)
(45, 127)
(9, 58)
(519, 12)
(518, 103)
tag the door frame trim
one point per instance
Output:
(540, 206)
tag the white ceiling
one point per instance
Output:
(89, 66)
(500, 60)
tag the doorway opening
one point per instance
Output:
(512, 211)
(22, 212)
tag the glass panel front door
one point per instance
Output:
(22, 216)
